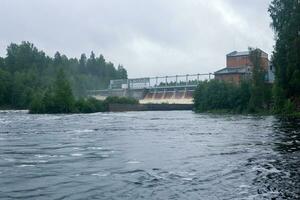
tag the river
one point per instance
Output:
(148, 155)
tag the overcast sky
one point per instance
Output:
(148, 37)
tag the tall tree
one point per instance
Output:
(63, 96)
(122, 73)
(91, 64)
(285, 16)
(5, 87)
(258, 100)
(24, 57)
(82, 63)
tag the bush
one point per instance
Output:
(217, 95)
(90, 105)
(289, 107)
(36, 105)
(120, 100)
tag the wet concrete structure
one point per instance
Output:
(176, 89)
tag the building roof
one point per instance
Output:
(245, 53)
(236, 53)
(233, 70)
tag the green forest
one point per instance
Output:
(59, 98)
(254, 95)
(28, 74)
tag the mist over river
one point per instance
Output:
(148, 155)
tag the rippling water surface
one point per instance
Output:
(148, 155)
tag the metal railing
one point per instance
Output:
(189, 81)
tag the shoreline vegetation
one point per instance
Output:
(59, 98)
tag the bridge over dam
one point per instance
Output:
(177, 89)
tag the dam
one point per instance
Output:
(177, 89)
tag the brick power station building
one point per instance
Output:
(239, 67)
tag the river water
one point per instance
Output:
(148, 155)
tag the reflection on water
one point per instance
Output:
(148, 155)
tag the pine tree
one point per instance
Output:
(82, 63)
(62, 94)
(257, 100)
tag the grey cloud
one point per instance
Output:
(149, 38)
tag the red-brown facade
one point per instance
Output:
(240, 61)
(239, 66)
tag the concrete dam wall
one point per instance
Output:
(148, 96)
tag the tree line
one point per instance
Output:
(59, 98)
(27, 73)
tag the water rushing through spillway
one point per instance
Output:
(148, 155)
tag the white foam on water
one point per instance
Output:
(133, 162)
(95, 148)
(26, 166)
(244, 186)
(76, 154)
(48, 156)
(41, 156)
(81, 131)
(187, 179)
(100, 174)
(272, 170)
(42, 161)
